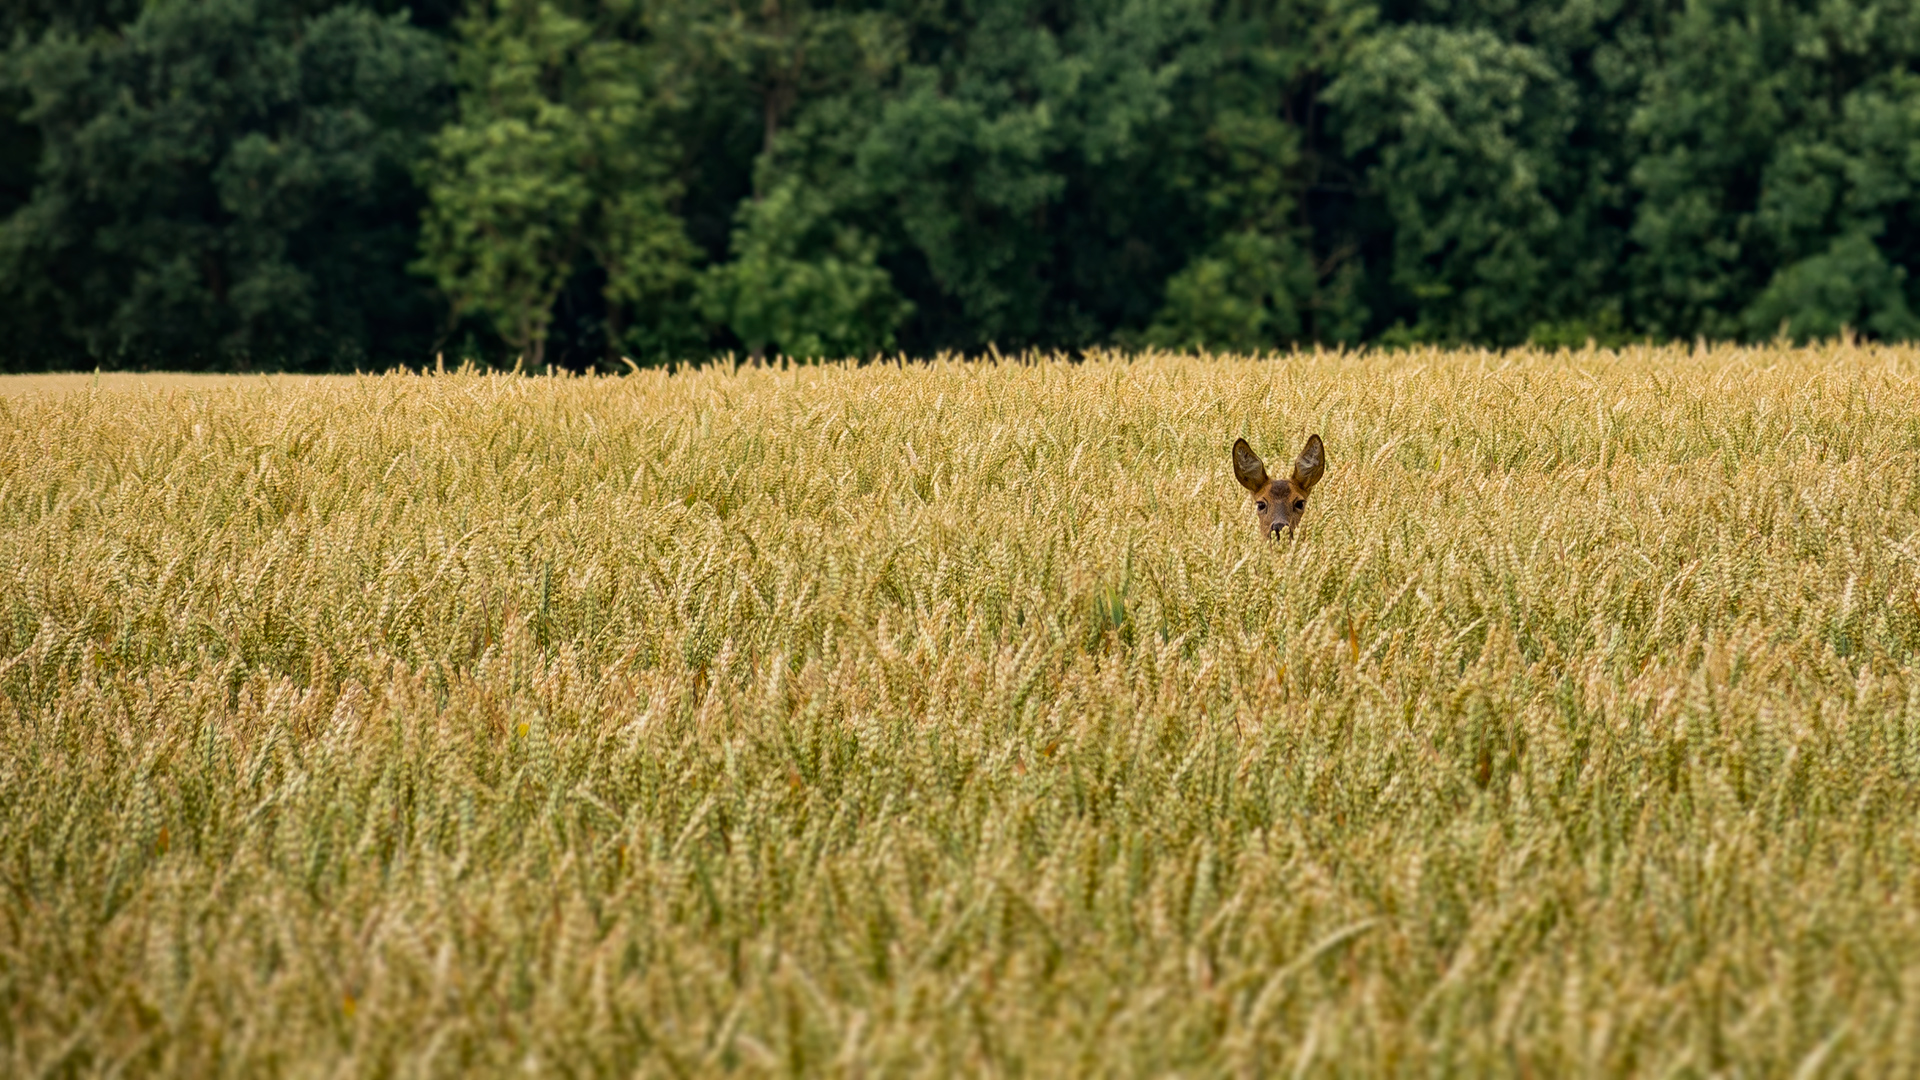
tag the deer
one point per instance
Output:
(1279, 504)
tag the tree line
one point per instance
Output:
(315, 185)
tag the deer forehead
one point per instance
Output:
(1282, 491)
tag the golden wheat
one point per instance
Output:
(850, 719)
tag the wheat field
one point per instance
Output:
(952, 718)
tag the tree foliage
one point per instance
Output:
(221, 183)
(1775, 164)
(553, 160)
(283, 182)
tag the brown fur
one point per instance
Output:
(1279, 504)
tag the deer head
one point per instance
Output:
(1279, 504)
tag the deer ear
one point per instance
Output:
(1248, 468)
(1312, 462)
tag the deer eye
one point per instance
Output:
(1260, 506)
(1299, 504)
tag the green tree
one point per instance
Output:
(1064, 176)
(1014, 167)
(222, 183)
(243, 181)
(557, 158)
(1236, 153)
(1849, 284)
(1774, 169)
(1246, 292)
(826, 298)
(1462, 133)
(800, 272)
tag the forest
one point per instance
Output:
(304, 185)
